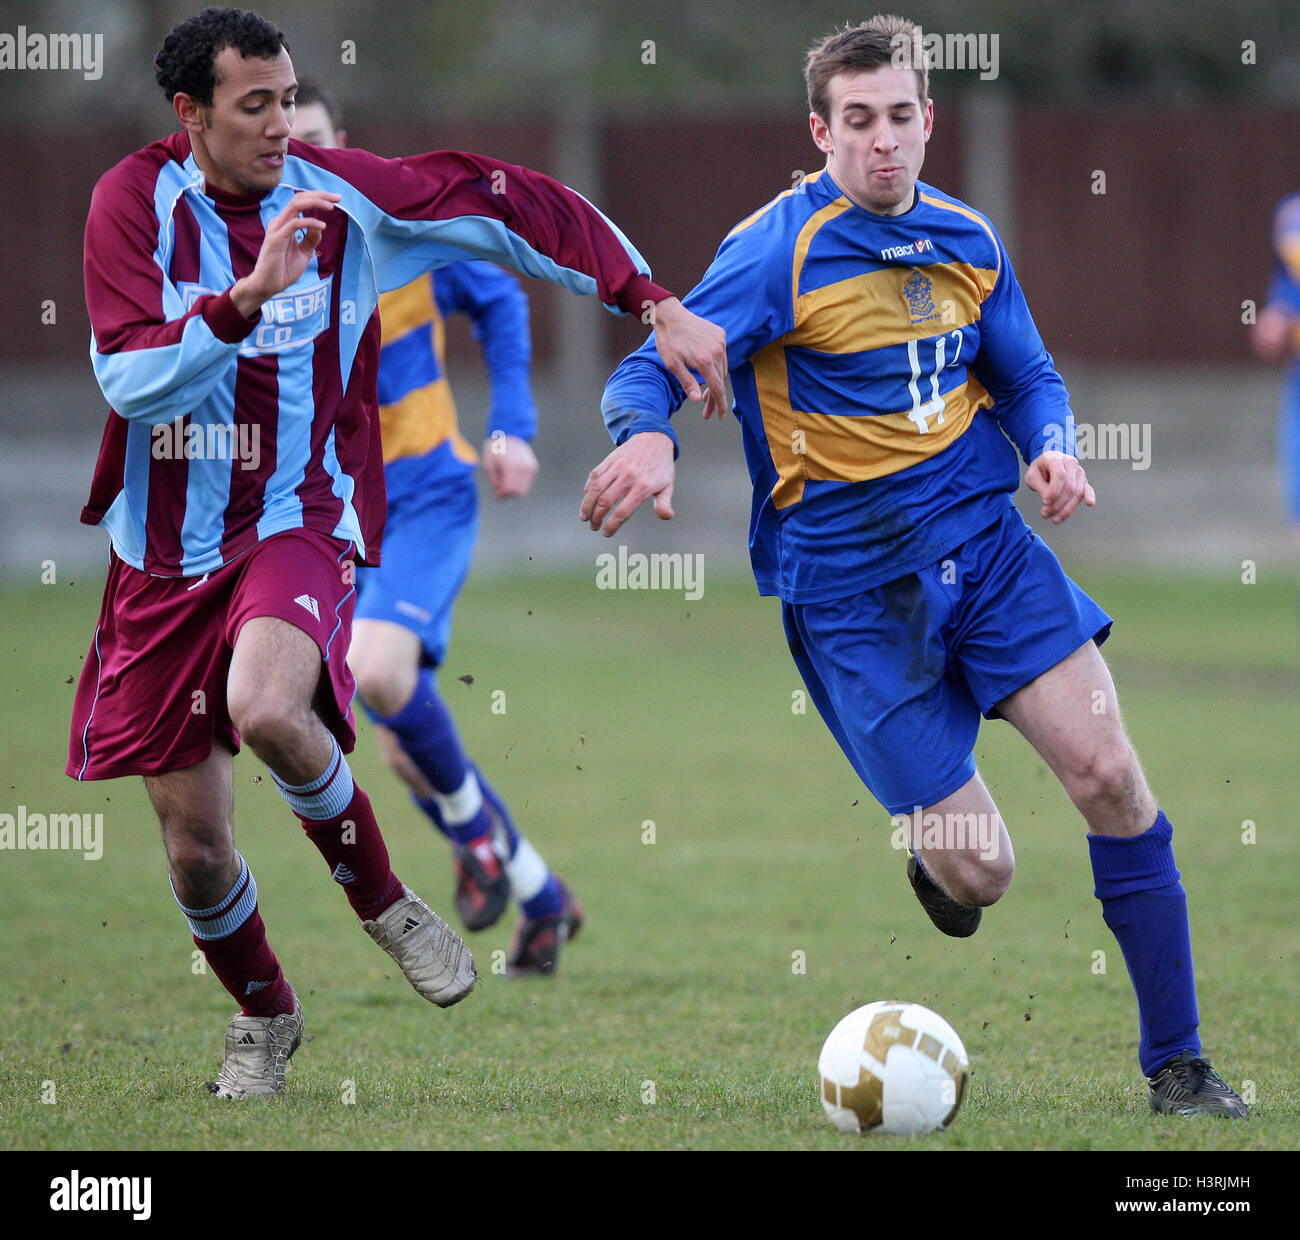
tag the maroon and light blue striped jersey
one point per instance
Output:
(225, 430)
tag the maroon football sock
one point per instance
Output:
(233, 938)
(357, 856)
(246, 966)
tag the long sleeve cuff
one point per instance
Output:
(227, 322)
(640, 289)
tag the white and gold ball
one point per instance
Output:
(893, 1067)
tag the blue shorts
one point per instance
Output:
(428, 543)
(902, 673)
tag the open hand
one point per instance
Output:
(638, 468)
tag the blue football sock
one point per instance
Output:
(493, 798)
(425, 730)
(432, 812)
(548, 901)
(1145, 906)
(428, 735)
(539, 892)
(458, 808)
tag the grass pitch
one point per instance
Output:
(741, 896)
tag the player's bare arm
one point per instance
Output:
(638, 468)
(284, 255)
(690, 344)
(1059, 481)
(509, 465)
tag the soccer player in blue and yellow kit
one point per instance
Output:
(1276, 338)
(884, 361)
(404, 606)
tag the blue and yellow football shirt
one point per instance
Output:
(876, 362)
(422, 442)
(1284, 292)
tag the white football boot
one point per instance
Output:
(258, 1049)
(431, 954)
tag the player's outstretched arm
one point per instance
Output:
(1059, 481)
(640, 467)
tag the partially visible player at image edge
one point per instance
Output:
(882, 358)
(232, 278)
(404, 607)
(1276, 339)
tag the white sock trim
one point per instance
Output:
(527, 871)
(458, 807)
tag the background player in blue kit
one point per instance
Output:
(404, 608)
(1276, 338)
(882, 356)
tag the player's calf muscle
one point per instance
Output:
(1070, 714)
(1112, 792)
(194, 813)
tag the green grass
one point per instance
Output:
(623, 709)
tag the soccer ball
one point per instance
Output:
(892, 1067)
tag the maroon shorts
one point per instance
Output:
(152, 695)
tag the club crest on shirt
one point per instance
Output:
(919, 291)
(290, 319)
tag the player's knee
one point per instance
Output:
(271, 724)
(979, 882)
(1108, 775)
(201, 860)
(384, 688)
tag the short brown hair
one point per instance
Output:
(881, 40)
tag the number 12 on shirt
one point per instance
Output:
(920, 413)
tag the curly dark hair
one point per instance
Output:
(186, 61)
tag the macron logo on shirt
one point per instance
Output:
(922, 245)
(306, 601)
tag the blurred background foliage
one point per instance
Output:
(514, 57)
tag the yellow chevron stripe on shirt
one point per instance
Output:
(420, 421)
(832, 210)
(763, 210)
(970, 215)
(1288, 250)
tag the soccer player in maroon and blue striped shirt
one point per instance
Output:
(232, 278)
